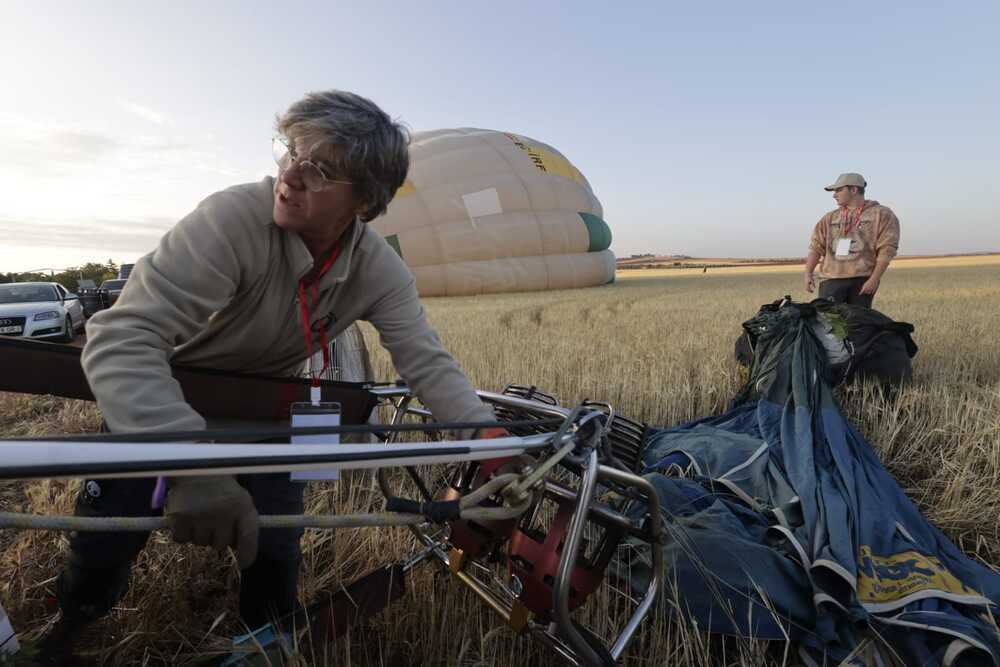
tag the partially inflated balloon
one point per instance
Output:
(484, 211)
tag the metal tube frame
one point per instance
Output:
(560, 635)
(571, 545)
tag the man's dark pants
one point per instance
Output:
(97, 572)
(846, 290)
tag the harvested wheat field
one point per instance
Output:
(656, 345)
(727, 267)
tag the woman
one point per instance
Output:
(254, 280)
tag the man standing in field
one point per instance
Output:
(852, 244)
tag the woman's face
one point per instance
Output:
(324, 214)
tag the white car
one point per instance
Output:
(44, 311)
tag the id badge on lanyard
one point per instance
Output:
(843, 248)
(316, 413)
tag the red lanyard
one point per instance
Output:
(313, 282)
(848, 226)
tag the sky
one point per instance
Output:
(705, 129)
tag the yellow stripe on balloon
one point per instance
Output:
(547, 161)
(407, 188)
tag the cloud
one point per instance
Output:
(63, 171)
(135, 236)
(54, 147)
(41, 146)
(79, 189)
(145, 112)
(81, 145)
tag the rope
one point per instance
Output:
(469, 504)
(325, 522)
(521, 487)
(148, 523)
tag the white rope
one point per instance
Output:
(470, 510)
(148, 523)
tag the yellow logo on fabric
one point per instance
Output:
(547, 161)
(407, 188)
(890, 578)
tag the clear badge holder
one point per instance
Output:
(843, 247)
(315, 413)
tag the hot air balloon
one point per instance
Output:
(484, 211)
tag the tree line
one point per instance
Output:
(68, 278)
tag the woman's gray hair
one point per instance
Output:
(368, 147)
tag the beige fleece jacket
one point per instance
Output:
(875, 239)
(219, 291)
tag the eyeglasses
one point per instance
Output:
(312, 174)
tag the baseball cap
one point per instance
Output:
(848, 179)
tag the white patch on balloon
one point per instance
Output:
(482, 203)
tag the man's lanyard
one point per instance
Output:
(849, 225)
(304, 285)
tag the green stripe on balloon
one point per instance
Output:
(599, 232)
(393, 240)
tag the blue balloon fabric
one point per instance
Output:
(783, 524)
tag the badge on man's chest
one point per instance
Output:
(843, 247)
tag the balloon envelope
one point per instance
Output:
(484, 211)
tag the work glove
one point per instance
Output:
(213, 511)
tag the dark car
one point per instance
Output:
(114, 288)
